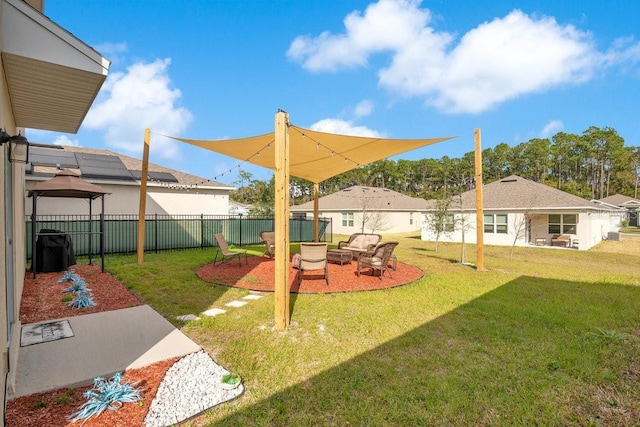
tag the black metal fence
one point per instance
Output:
(168, 232)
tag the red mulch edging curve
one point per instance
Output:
(257, 275)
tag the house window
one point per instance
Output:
(449, 223)
(563, 224)
(495, 223)
(347, 219)
(410, 218)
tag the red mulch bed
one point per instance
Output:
(41, 297)
(258, 275)
(41, 301)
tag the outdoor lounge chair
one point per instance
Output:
(313, 256)
(227, 254)
(268, 238)
(360, 242)
(378, 259)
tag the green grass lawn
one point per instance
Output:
(543, 337)
(631, 230)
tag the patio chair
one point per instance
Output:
(313, 256)
(268, 239)
(227, 254)
(378, 259)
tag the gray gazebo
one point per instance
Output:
(67, 184)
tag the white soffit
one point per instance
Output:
(53, 77)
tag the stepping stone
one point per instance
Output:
(187, 317)
(252, 297)
(214, 312)
(236, 304)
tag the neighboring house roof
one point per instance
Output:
(621, 200)
(516, 193)
(106, 166)
(357, 198)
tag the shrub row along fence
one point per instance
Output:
(168, 232)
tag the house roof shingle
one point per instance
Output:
(620, 200)
(514, 192)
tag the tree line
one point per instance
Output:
(593, 165)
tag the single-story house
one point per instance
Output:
(169, 192)
(360, 209)
(630, 205)
(521, 212)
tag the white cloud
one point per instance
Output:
(364, 108)
(140, 98)
(551, 128)
(65, 140)
(112, 48)
(386, 25)
(624, 52)
(343, 127)
(112, 51)
(495, 62)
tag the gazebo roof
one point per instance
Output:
(67, 184)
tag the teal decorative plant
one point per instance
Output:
(68, 275)
(83, 300)
(109, 394)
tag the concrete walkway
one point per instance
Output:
(102, 344)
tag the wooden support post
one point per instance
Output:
(316, 220)
(281, 152)
(143, 194)
(479, 202)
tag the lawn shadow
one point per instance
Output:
(524, 352)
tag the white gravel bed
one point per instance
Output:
(191, 386)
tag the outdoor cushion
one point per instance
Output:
(360, 242)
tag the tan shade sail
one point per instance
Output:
(314, 156)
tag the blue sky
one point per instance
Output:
(400, 69)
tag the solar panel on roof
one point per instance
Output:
(156, 176)
(52, 157)
(103, 166)
(163, 176)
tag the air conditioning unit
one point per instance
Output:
(614, 235)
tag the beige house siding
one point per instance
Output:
(5, 116)
(125, 200)
(384, 222)
(12, 264)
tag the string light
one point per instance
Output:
(319, 145)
